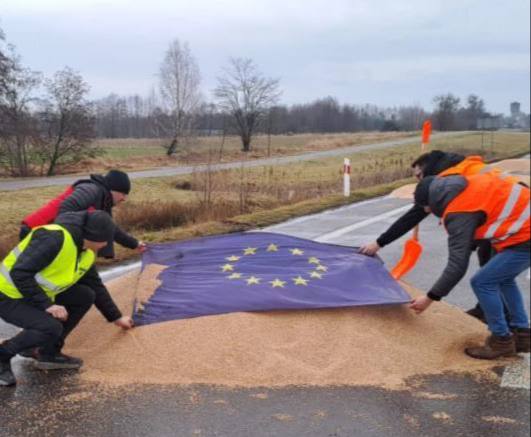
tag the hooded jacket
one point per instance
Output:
(90, 194)
(460, 227)
(42, 250)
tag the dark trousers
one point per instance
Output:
(40, 329)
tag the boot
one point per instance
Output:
(477, 312)
(522, 338)
(495, 347)
(56, 362)
(7, 378)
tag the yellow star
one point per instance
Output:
(233, 258)
(250, 251)
(272, 248)
(253, 280)
(227, 268)
(321, 268)
(313, 260)
(277, 283)
(316, 275)
(296, 251)
(235, 276)
(300, 281)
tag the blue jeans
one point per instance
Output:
(496, 281)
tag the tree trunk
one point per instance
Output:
(246, 143)
(173, 147)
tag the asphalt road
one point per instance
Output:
(20, 183)
(49, 404)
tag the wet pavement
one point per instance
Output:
(53, 404)
(49, 404)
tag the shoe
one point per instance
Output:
(30, 354)
(522, 339)
(7, 378)
(477, 313)
(57, 362)
(495, 347)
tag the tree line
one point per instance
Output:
(48, 122)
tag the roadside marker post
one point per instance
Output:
(346, 177)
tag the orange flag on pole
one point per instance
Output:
(426, 132)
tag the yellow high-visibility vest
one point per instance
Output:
(64, 271)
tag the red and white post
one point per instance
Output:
(346, 177)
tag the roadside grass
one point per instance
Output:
(171, 208)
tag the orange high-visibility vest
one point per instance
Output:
(505, 203)
(473, 165)
(469, 166)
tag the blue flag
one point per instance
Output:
(261, 271)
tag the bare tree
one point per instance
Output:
(179, 87)
(445, 111)
(67, 124)
(246, 95)
(17, 126)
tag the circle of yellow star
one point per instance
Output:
(272, 248)
(296, 251)
(250, 251)
(227, 268)
(300, 281)
(235, 276)
(316, 275)
(233, 258)
(321, 268)
(277, 283)
(253, 280)
(313, 260)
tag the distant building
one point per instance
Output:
(515, 109)
(517, 119)
(490, 122)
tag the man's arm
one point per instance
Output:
(40, 252)
(104, 302)
(402, 225)
(124, 239)
(399, 228)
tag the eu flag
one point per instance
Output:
(261, 271)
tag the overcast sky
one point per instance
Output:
(385, 52)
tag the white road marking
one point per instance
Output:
(114, 272)
(342, 231)
(516, 375)
(302, 219)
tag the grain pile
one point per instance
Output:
(354, 346)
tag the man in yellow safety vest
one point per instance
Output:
(42, 289)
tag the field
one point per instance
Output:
(132, 153)
(168, 208)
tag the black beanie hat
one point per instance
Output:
(98, 227)
(118, 181)
(422, 192)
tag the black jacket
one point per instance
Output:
(44, 246)
(461, 228)
(95, 193)
(416, 214)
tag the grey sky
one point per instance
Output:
(385, 52)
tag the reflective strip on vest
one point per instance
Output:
(5, 273)
(41, 280)
(516, 226)
(507, 209)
